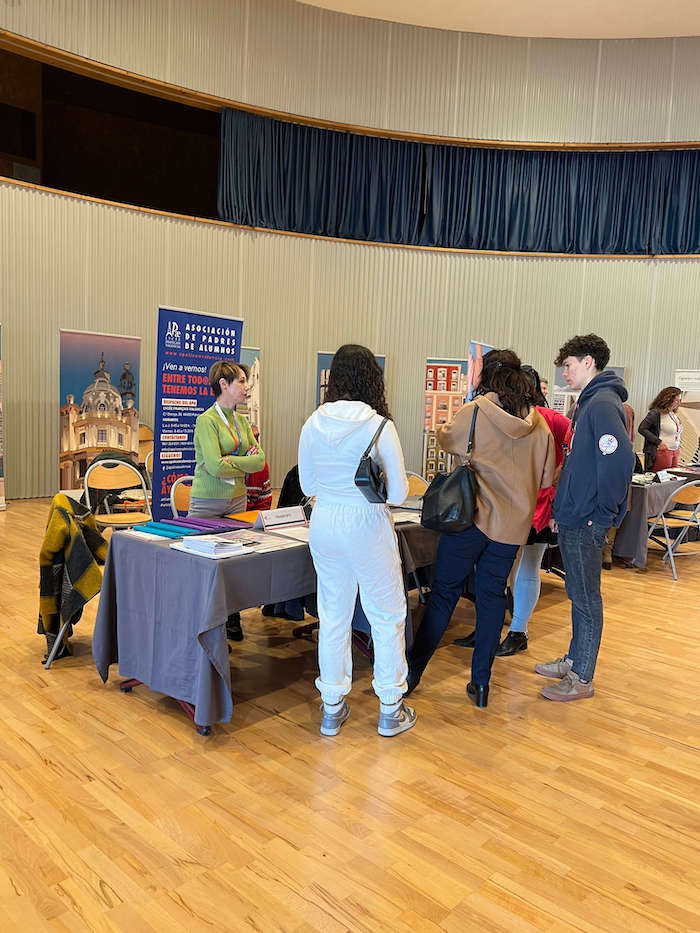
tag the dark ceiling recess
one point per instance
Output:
(121, 145)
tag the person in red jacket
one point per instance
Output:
(258, 489)
(526, 577)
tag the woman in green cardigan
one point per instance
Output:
(225, 450)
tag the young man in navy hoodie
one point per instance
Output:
(591, 497)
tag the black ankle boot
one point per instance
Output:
(478, 694)
(511, 644)
(234, 632)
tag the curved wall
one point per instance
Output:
(66, 262)
(301, 59)
(72, 263)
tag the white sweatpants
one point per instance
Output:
(354, 546)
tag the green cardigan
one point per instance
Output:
(212, 443)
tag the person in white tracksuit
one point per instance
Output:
(352, 541)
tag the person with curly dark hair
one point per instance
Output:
(512, 457)
(352, 541)
(661, 430)
(591, 497)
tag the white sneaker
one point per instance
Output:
(401, 720)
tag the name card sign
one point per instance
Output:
(271, 519)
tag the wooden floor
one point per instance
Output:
(530, 815)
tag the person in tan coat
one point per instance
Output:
(513, 457)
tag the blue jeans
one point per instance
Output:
(582, 553)
(526, 585)
(457, 555)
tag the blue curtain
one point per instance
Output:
(287, 176)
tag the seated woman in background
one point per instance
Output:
(225, 450)
(526, 581)
(352, 541)
(661, 430)
(512, 456)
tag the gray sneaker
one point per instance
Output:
(570, 687)
(556, 669)
(394, 723)
(331, 722)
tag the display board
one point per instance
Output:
(477, 351)
(188, 343)
(688, 381)
(446, 386)
(2, 458)
(99, 400)
(323, 368)
(250, 357)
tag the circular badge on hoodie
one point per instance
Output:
(607, 444)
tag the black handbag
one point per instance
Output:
(369, 477)
(449, 502)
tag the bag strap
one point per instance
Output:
(471, 433)
(376, 437)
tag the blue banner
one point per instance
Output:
(188, 344)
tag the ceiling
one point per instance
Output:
(566, 19)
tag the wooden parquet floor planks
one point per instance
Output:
(116, 816)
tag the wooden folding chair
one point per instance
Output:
(671, 517)
(180, 493)
(416, 484)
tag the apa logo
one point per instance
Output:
(607, 444)
(173, 337)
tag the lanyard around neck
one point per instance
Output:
(237, 440)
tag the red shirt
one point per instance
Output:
(560, 426)
(258, 490)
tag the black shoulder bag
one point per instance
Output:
(449, 502)
(369, 478)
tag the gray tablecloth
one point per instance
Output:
(632, 535)
(162, 613)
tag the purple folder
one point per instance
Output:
(207, 525)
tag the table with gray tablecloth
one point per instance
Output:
(631, 541)
(162, 612)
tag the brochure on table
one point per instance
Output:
(232, 544)
(187, 345)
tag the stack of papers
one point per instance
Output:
(223, 545)
(230, 544)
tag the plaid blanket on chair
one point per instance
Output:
(69, 575)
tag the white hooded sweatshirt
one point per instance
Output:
(331, 444)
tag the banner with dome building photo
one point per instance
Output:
(99, 400)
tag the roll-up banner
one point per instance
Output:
(2, 459)
(188, 343)
(449, 383)
(250, 358)
(99, 401)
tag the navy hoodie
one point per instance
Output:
(598, 467)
